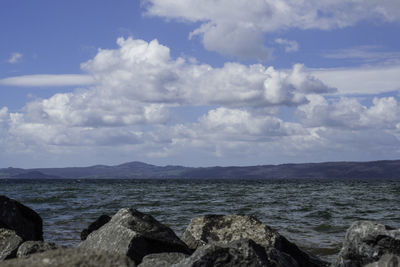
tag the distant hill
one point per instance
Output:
(388, 169)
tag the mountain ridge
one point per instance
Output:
(388, 169)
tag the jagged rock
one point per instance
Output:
(102, 220)
(32, 247)
(387, 260)
(132, 233)
(223, 229)
(365, 242)
(9, 243)
(23, 220)
(71, 257)
(243, 252)
(162, 259)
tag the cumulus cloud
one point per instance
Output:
(92, 108)
(348, 113)
(135, 87)
(15, 58)
(47, 80)
(136, 84)
(237, 27)
(146, 72)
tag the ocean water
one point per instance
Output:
(314, 214)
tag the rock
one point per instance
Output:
(132, 233)
(9, 243)
(162, 259)
(281, 259)
(31, 247)
(387, 260)
(102, 220)
(223, 229)
(71, 257)
(243, 252)
(365, 242)
(23, 220)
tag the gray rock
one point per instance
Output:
(23, 220)
(223, 229)
(71, 257)
(9, 243)
(132, 233)
(32, 247)
(387, 260)
(243, 252)
(99, 222)
(162, 259)
(365, 242)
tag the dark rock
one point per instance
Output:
(243, 252)
(366, 242)
(71, 257)
(281, 259)
(162, 259)
(223, 229)
(132, 233)
(9, 243)
(102, 220)
(32, 247)
(23, 220)
(387, 260)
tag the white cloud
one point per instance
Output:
(240, 124)
(126, 111)
(348, 113)
(145, 72)
(238, 41)
(15, 58)
(93, 108)
(290, 46)
(361, 80)
(237, 27)
(136, 84)
(48, 80)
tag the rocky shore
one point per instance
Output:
(132, 238)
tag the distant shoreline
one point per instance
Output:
(384, 169)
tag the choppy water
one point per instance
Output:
(312, 213)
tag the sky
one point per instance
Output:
(198, 83)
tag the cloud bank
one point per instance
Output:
(130, 111)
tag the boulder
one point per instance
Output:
(23, 220)
(132, 233)
(244, 252)
(387, 260)
(9, 243)
(365, 242)
(32, 247)
(102, 220)
(71, 257)
(223, 229)
(162, 259)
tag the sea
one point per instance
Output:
(314, 214)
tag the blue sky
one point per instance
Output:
(198, 84)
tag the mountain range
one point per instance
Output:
(385, 169)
